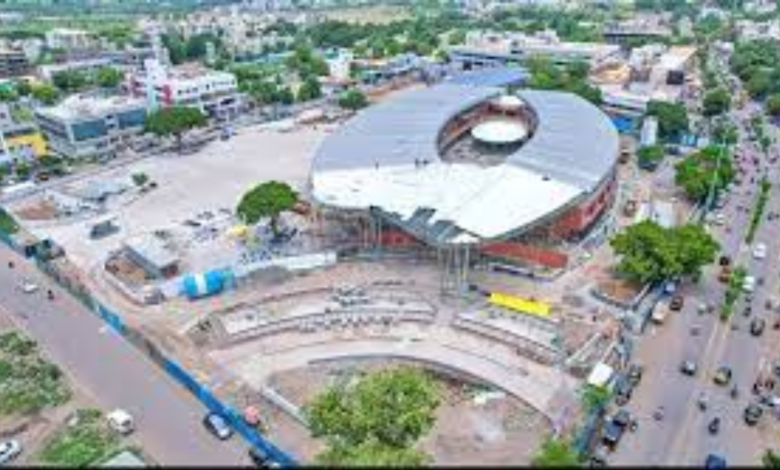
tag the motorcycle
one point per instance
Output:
(703, 403)
(50, 295)
(714, 426)
(734, 393)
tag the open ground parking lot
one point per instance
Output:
(211, 179)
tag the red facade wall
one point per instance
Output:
(580, 217)
(529, 253)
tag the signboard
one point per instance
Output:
(518, 304)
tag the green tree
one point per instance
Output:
(697, 172)
(70, 81)
(139, 179)
(555, 453)
(23, 88)
(650, 157)
(371, 454)
(309, 90)
(353, 99)
(109, 77)
(457, 37)
(269, 199)
(46, 94)
(8, 94)
(593, 397)
(651, 253)
(716, 102)
(770, 459)
(175, 121)
(773, 105)
(376, 420)
(672, 118)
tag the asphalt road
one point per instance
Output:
(681, 437)
(168, 419)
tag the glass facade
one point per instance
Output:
(89, 130)
(134, 118)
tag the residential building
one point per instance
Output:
(68, 39)
(88, 126)
(215, 93)
(87, 66)
(13, 63)
(19, 141)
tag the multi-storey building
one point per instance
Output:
(215, 93)
(13, 63)
(86, 126)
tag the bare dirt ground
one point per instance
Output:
(502, 431)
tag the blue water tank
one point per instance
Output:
(195, 286)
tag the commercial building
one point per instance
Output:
(87, 126)
(86, 66)
(215, 93)
(13, 63)
(491, 48)
(473, 173)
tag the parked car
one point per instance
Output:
(218, 426)
(714, 461)
(121, 421)
(724, 261)
(722, 376)
(612, 434)
(261, 460)
(677, 303)
(623, 391)
(688, 367)
(752, 414)
(757, 326)
(9, 450)
(759, 251)
(749, 284)
(634, 373)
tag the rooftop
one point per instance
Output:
(372, 162)
(84, 107)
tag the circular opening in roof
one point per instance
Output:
(499, 132)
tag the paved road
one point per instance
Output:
(682, 437)
(117, 375)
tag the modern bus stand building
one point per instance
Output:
(472, 174)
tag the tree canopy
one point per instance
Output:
(672, 118)
(109, 77)
(571, 77)
(269, 199)
(696, 172)
(353, 99)
(376, 420)
(651, 253)
(309, 90)
(175, 121)
(716, 102)
(773, 105)
(770, 459)
(650, 157)
(555, 453)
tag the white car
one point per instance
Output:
(121, 421)
(28, 287)
(749, 284)
(9, 450)
(759, 251)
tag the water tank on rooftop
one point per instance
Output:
(196, 286)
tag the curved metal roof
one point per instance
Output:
(370, 162)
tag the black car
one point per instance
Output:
(261, 460)
(612, 434)
(757, 326)
(688, 368)
(634, 373)
(218, 426)
(623, 391)
(753, 414)
(622, 418)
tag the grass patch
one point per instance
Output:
(85, 441)
(7, 223)
(758, 210)
(28, 383)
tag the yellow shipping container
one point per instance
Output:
(519, 304)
